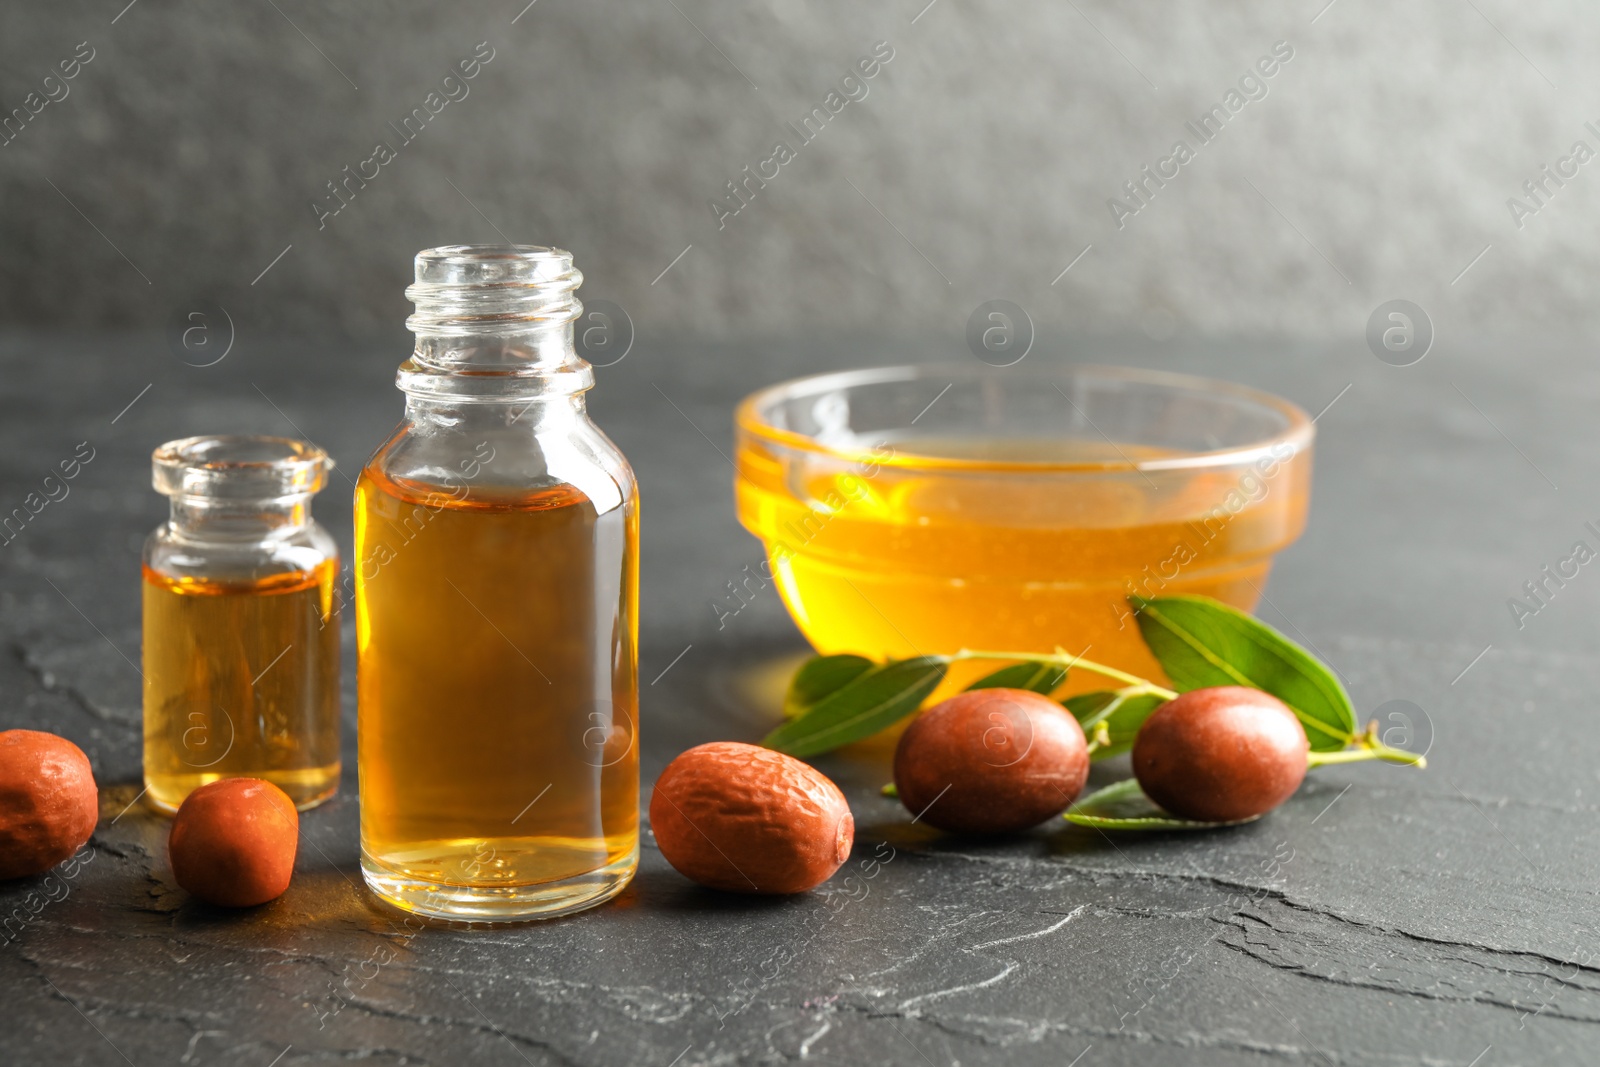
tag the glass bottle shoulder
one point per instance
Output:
(171, 558)
(492, 459)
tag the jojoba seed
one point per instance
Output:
(750, 820)
(233, 842)
(991, 761)
(1221, 754)
(48, 802)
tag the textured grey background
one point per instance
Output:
(1377, 167)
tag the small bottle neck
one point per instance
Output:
(198, 518)
(239, 487)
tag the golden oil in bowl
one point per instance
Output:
(920, 510)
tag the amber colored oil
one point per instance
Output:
(241, 679)
(904, 559)
(498, 697)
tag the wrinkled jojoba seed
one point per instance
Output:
(1221, 754)
(991, 761)
(750, 820)
(48, 802)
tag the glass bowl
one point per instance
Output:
(924, 509)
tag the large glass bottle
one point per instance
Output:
(496, 540)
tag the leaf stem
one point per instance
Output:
(1367, 746)
(1356, 755)
(1069, 661)
(1101, 737)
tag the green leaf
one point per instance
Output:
(1202, 643)
(891, 791)
(1124, 806)
(1122, 712)
(876, 699)
(1042, 678)
(819, 677)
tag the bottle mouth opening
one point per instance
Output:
(491, 264)
(491, 289)
(239, 467)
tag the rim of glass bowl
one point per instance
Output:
(752, 417)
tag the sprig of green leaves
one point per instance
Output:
(1199, 642)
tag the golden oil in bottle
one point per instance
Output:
(240, 678)
(492, 751)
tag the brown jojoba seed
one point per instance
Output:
(991, 761)
(1221, 754)
(747, 819)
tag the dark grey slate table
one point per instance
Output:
(1382, 916)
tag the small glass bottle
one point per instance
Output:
(241, 627)
(496, 608)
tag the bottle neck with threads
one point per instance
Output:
(494, 327)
